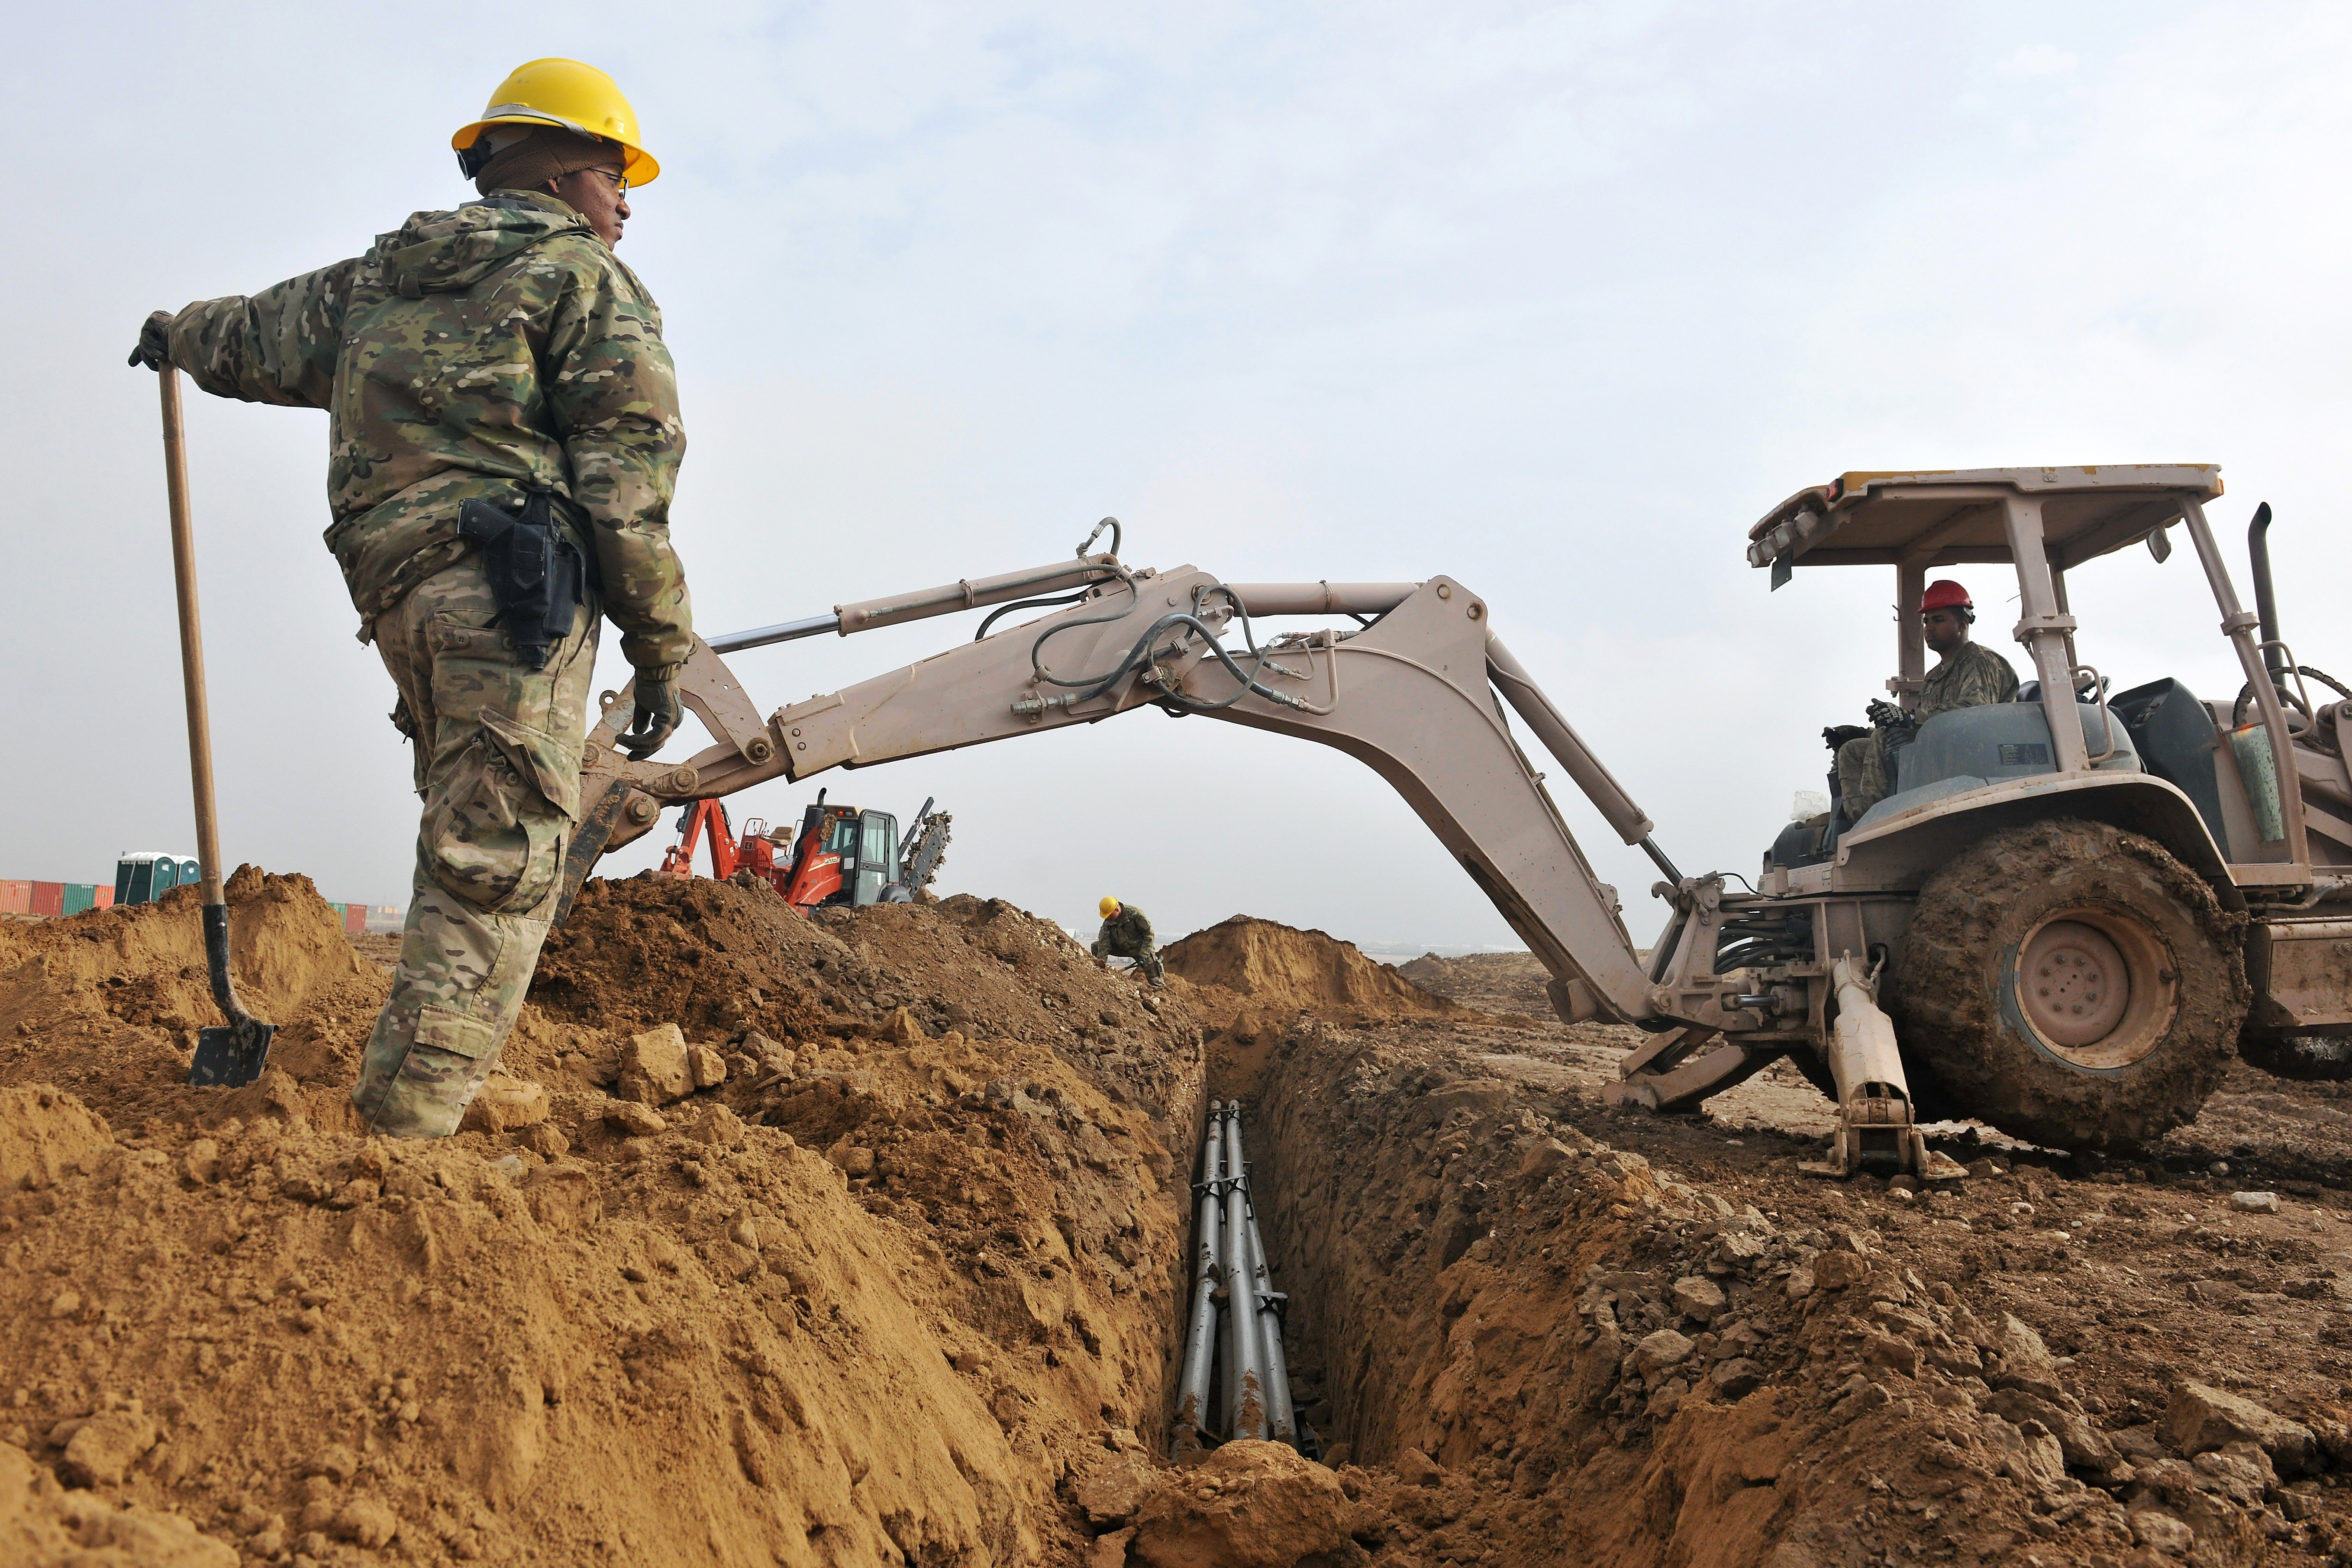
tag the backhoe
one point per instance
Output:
(2063, 920)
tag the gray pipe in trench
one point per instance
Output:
(1191, 1430)
(1281, 1415)
(1245, 1353)
(1245, 1335)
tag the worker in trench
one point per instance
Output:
(503, 441)
(1127, 934)
(1967, 675)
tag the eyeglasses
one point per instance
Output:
(620, 181)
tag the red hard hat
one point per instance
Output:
(1945, 595)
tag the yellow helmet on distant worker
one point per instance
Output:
(1109, 906)
(577, 97)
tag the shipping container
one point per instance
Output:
(355, 921)
(49, 899)
(80, 896)
(16, 898)
(105, 899)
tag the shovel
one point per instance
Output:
(229, 1055)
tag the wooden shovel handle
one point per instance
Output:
(192, 636)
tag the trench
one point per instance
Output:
(1478, 1288)
(1433, 1327)
(1364, 1242)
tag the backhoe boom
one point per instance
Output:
(1409, 695)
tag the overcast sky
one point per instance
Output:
(1555, 300)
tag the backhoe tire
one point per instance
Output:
(2007, 1002)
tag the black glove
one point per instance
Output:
(657, 717)
(1887, 715)
(1837, 735)
(154, 348)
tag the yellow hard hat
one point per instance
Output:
(576, 97)
(1109, 906)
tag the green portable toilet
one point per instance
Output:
(144, 876)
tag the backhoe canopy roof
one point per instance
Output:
(1943, 517)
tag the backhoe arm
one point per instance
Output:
(1410, 696)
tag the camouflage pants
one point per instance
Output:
(1146, 956)
(1866, 769)
(496, 750)
(1862, 774)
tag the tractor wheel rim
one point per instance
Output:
(2097, 987)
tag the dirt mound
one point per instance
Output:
(868, 1298)
(1247, 1505)
(1248, 976)
(107, 1002)
(43, 1525)
(722, 958)
(1497, 981)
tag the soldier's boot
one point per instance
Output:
(462, 978)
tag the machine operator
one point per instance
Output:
(1967, 675)
(503, 441)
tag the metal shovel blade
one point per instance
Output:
(230, 1055)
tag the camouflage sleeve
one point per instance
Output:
(277, 346)
(1987, 678)
(614, 395)
(1972, 678)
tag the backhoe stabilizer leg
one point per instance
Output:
(1877, 1131)
(1676, 1072)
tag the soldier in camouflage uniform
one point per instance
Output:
(469, 355)
(1127, 934)
(1967, 675)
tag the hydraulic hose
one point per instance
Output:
(1095, 686)
(1003, 610)
(1037, 649)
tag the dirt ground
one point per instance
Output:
(862, 1239)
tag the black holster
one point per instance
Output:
(538, 577)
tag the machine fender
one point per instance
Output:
(1902, 852)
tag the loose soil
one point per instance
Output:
(1253, 979)
(871, 1298)
(902, 1286)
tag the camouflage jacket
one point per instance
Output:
(468, 353)
(1129, 930)
(1969, 677)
